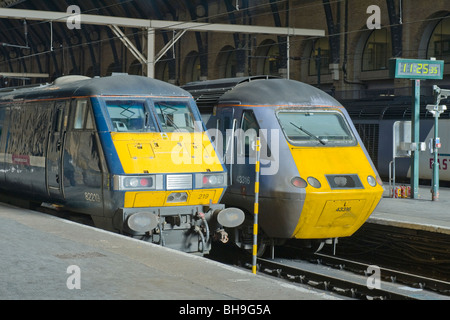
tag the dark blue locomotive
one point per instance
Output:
(129, 151)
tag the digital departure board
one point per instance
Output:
(416, 69)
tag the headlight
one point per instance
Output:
(144, 182)
(298, 182)
(136, 182)
(372, 181)
(314, 182)
(210, 180)
(340, 181)
(177, 197)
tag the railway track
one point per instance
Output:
(347, 278)
(389, 275)
(341, 276)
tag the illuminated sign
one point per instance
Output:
(416, 69)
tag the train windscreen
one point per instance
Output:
(310, 128)
(130, 116)
(134, 115)
(175, 116)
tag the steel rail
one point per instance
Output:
(417, 281)
(339, 281)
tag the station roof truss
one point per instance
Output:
(115, 23)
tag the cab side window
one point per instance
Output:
(251, 131)
(83, 117)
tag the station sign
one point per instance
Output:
(416, 69)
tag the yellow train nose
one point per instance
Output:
(346, 195)
(340, 217)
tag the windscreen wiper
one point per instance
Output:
(166, 117)
(309, 134)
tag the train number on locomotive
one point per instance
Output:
(344, 209)
(243, 179)
(92, 197)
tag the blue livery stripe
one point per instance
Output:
(109, 150)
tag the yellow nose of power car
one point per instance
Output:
(341, 194)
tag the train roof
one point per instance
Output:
(263, 90)
(208, 92)
(117, 85)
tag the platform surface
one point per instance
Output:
(43, 256)
(420, 214)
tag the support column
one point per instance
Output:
(150, 52)
(435, 180)
(415, 118)
(288, 55)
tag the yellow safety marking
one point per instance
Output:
(255, 229)
(256, 208)
(256, 187)
(257, 165)
(255, 249)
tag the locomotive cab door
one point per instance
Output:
(55, 149)
(245, 149)
(227, 123)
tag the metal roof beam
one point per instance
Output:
(128, 44)
(23, 75)
(155, 24)
(169, 45)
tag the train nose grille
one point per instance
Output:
(344, 181)
(179, 181)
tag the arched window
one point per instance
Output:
(226, 62)
(135, 68)
(90, 72)
(377, 51)
(268, 58)
(162, 70)
(113, 67)
(320, 54)
(192, 67)
(439, 44)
